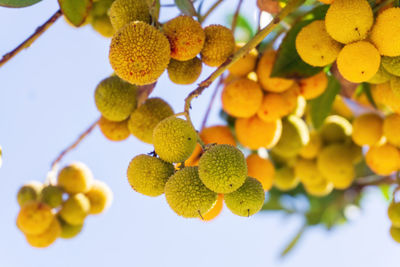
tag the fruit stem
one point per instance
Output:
(384, 3)
(210, 104)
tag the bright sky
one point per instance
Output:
(46, 100)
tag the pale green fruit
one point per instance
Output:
(336, 129)
(124, 11)
(52, 195)
(69, 230)
(29, 192)
(75, 209)
(392, 65)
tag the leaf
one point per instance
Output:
(18, 3)
(186, 7)
(294, 241)
(386, 191)
(154, 8)
(244, 24)
(76, 11)
(366, 89)
(322, 105)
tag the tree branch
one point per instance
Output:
(221, 81)
(216, 4)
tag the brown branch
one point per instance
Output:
(25, 44)
(221, 81)
(212, 8)
(236, 15)
(144, 92)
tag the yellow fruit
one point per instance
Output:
(264, 69)
(382, 75)
(46, 238)
(52, 195)
(115, 99)
(145, 118)
(395, 85)
(222, 168)
(245, 64)
(75, 209)
(285, 180)
(315, 46)
(186, 37)
(102, 25)
(349, 20)
(114, 130)
(75, 178)
(148, 175)
(307, 171)
(29, 192)
(247, 200)
(321, 189)
(261, 169)
(100, 197)
(358, 62)
(391, 129)
(241, 98)
(218, 46)
(313, 86)
(395, 233)
(341, 108)
(123, 12)
(187, 195)
(100, 7)
(335, 129)
(367, 129)
(254, 133)
(139, 53)
(184, 72)
(391, 65)
(313, 147)
(394, 214)
(68, 230)
(219, 134)
(384, 159)
(174, 139)
(301, 106)
(34, 218)
(384, 95)
(216, 210)
(326, 1)
(385, 35)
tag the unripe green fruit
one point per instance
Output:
(115, 98)
(394, 214)
(52, 195)
(100, 7)
(187, 195)
(29, 192)
(184, 72)
(391, 65)
(381, 76)
(247, 200)
(148, 175)
(69, 230)
(75, 209)
(395, 233)
(336, 129)
(285, 179)
(174, 139)
(144, 119)
(100, 197)
(124, 11)
(102, 25)
(75, 178)
(223, 168)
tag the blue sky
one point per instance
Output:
(46, 100)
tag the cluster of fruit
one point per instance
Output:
(51, 211)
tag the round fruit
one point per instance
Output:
(216, 210)
(75, 178)
(245, 64)
(367, 129)
(75, 209)
(395, 233)
(114, 130)
(308, 173)
(313, 147)
(391, 65)
(52, 195)
(385, 35)
(384, 159)
(69, 230)
(335, 129)
(394, 214)
(46, 238)
(382, 75)
(321, 189)
(219, 134)
(313, 86)
(29, 192)
(261, 169)
(124, 11)
(391, 129)
(100, 197)
(34, 218)
(184, 72)
(285, 180)
(218, 46)
(102, 25)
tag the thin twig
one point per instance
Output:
(221, 81)
(216, 4)
(25, 44)
(382, 4)
(236, 16)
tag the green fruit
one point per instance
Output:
(144, 119)
(381, 76)
(29, 192)
(223, 168)
(187, 195)
(391, 65)
(148, 175)
(100, 7)
(102, 25)
(394, 214)
(395, 233)
(184, 72)
(69, 230)
(115, 98)
(336, 129)
(285, 179)
(247, 200)
(395, 85)
(174, 139)
(52, 195)
(124, 11)
(75, 178)
(75, 209)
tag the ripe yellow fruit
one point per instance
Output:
(29, 192)
(100, 197)
(75, 209)
(102, 25)
(264, 69)
(222, 168)
(216, 210)
(394, 213)
(367, 129)
(46, 238)
(254, 133)
(384, 159)
(245, 64)
(261, 169)
(358, 62)
(148, 175)
(52, 195)
(336, 129)
(391, 65)
(313, 86)
(241, 98)
(187, 195)
(145, 118)
(315, 46)
(382, 75)
(184, 72)
(139, 53)
(391, 129)
(219, 134)
(34, 218)
(321, 189)
(326, 1)
(123, 12)
(349, 20)
(186, 37)
(247, 200)
(385, 35)
(313, 147)
(384, 95)
(68, 230)
(285, 180)
(307, 171)
(114, 130)
(395, 233)
(174, 139)
(75, 178)
(115, 98)
(218, 46)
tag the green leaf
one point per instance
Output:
(76, 11)
(243, 24)
(386, 192)
(366, 89)
(154, 7)
(18, 3)
(322, 105)
(294, 241)
(186, 7)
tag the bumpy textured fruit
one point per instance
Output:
(394, 213)
(391, 129)
(139, 53)
(385, 35)
(145, 118)
(34, 218)
(245, 64)
(307, 171)
(264, 69)
(312, 148)
(313, 86)
(52, 195)
(46, 238)
(100, 197)
(358, 62)
(75, 178)
(218, 46)
(247, 200)
(285, 179)
(187, 195)
(335, 129)
(115, 99)
(75, 209)
(241, 98)
(395, 233)
(186, 37)
(174, 139)
(69, 230)
(315, 46)
(349, 20)
(102, 25)
(29, 192)
(367, 129)
(391, 65)
(114, 130)
(382, 75)
(123, 12)
(222, 168)
(216, 210)
(254, 133)
(148, 175)
(261, 169)
(184, 72)
(384, 159)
